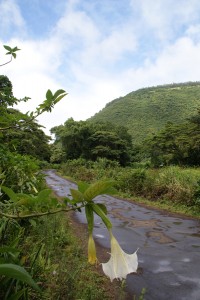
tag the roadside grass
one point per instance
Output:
(51, 249)
(164, 205)
(61, 267)
(173, 188)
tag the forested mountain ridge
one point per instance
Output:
(148, 110)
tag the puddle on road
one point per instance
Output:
(160, 237)
(101, 236)
(196, 246)
(186, 259)
(163, 266)
(116, 212)
(177, 223)
(195, 235)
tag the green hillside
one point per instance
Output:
(147, 110)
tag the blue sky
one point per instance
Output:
(97, 50)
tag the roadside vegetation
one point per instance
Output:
(50, 251)
(163, 169)
(40, 256)
(173, 188)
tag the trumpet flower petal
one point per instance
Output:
(92, 258)
(120, 263)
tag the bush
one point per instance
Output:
(180, 185)
(78, 169)
(131, 181)
(20, 172)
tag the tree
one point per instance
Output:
(108, 144)
(88, 140)
(6, 95)
(177, 144)
(23, 134)
(28, 140)
(21, 137)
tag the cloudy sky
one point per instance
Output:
(97, 50)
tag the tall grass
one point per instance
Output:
(53, 255)
(176, 184)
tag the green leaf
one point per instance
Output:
(90, 217)
(77, 195)
(59, 98)
(58, 93)
(82, 186)
(24, 199)
(7, 48)
(97, 209)
(15, 49)
(44, 195)
(103, 207)
(19, 273)
(49, 95)
(14, 55)
(11, 194)
(98, 188)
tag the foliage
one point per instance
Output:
(131, 180)
(20, 137)
(54, 258)
(146, 111)
(27, 206)
(6, 94)
(176, 144)
(108, 145)
(91, 141)
(21, 140)
(19, 172)
(89, 171)
(20, 132)
(57, 153)
(177, 185)
(28, 140)
(13, 275)
(11, 52)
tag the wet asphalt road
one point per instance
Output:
(169, 246)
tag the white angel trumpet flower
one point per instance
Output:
(120, 263)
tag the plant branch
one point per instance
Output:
(36, 215)
(7, 62)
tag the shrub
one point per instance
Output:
(20, 172)
(131, 181)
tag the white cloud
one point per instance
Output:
(76, 24)
(176, 63)
(95, 66)
(165, 19)
(114, 46)
(193, 32)
(10, 16)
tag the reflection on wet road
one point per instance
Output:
(169, 246)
